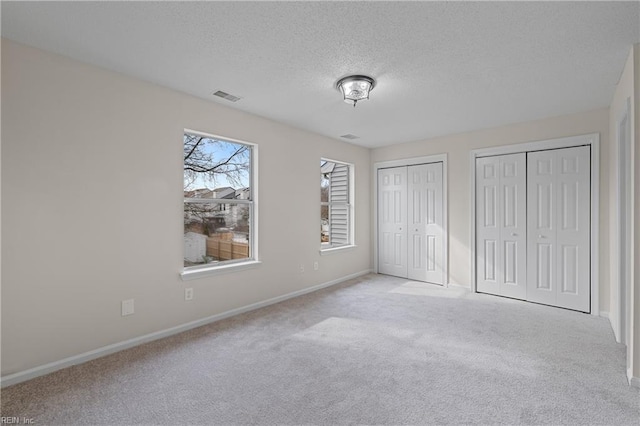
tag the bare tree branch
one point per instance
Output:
(207, 159)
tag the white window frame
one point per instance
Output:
(327, 248)
(200, 271)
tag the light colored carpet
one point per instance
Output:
(374, 350)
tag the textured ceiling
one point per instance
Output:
(441, 68)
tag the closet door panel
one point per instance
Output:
(416, 206)
(559, 228)
(541, 220)
(426, 249)
(434, 224)
(573, 230)
(392, 221)
(488, 245)
(501, 225)
(513, 227)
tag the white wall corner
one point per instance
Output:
(612, 323)
(459, 287)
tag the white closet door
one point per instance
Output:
(541, 246)
(513, 225)
(425, 231)
(392, 221)
(488, 232)
(501, 225)
(558, 192)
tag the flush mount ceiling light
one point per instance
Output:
(355, 88)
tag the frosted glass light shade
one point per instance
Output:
(356, 88)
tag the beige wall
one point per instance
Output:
(92, 208)
(458, 148)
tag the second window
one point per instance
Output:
(336, 207)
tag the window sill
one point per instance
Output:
(217, 270)
(334, 250)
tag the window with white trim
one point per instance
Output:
(336, 204)
(219, 209)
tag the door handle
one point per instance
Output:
(513, 234)
(541, 236)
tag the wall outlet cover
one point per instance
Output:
(127, 307)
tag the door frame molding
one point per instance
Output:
(624, 164)
(593, 140)
(437, 158)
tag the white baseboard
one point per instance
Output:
(633, 381)
(32, 373)
(614, 329)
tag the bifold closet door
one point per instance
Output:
(392, 221)
(559, 259)
(425, 223)
(410, 222)
(501, 225)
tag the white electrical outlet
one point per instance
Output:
(316, 266)
(127, 307)
(188, 294)
(301, 268)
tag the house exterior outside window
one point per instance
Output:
(219, 202)
(336, 204)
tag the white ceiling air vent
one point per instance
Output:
(225, 95)
(350, 136)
